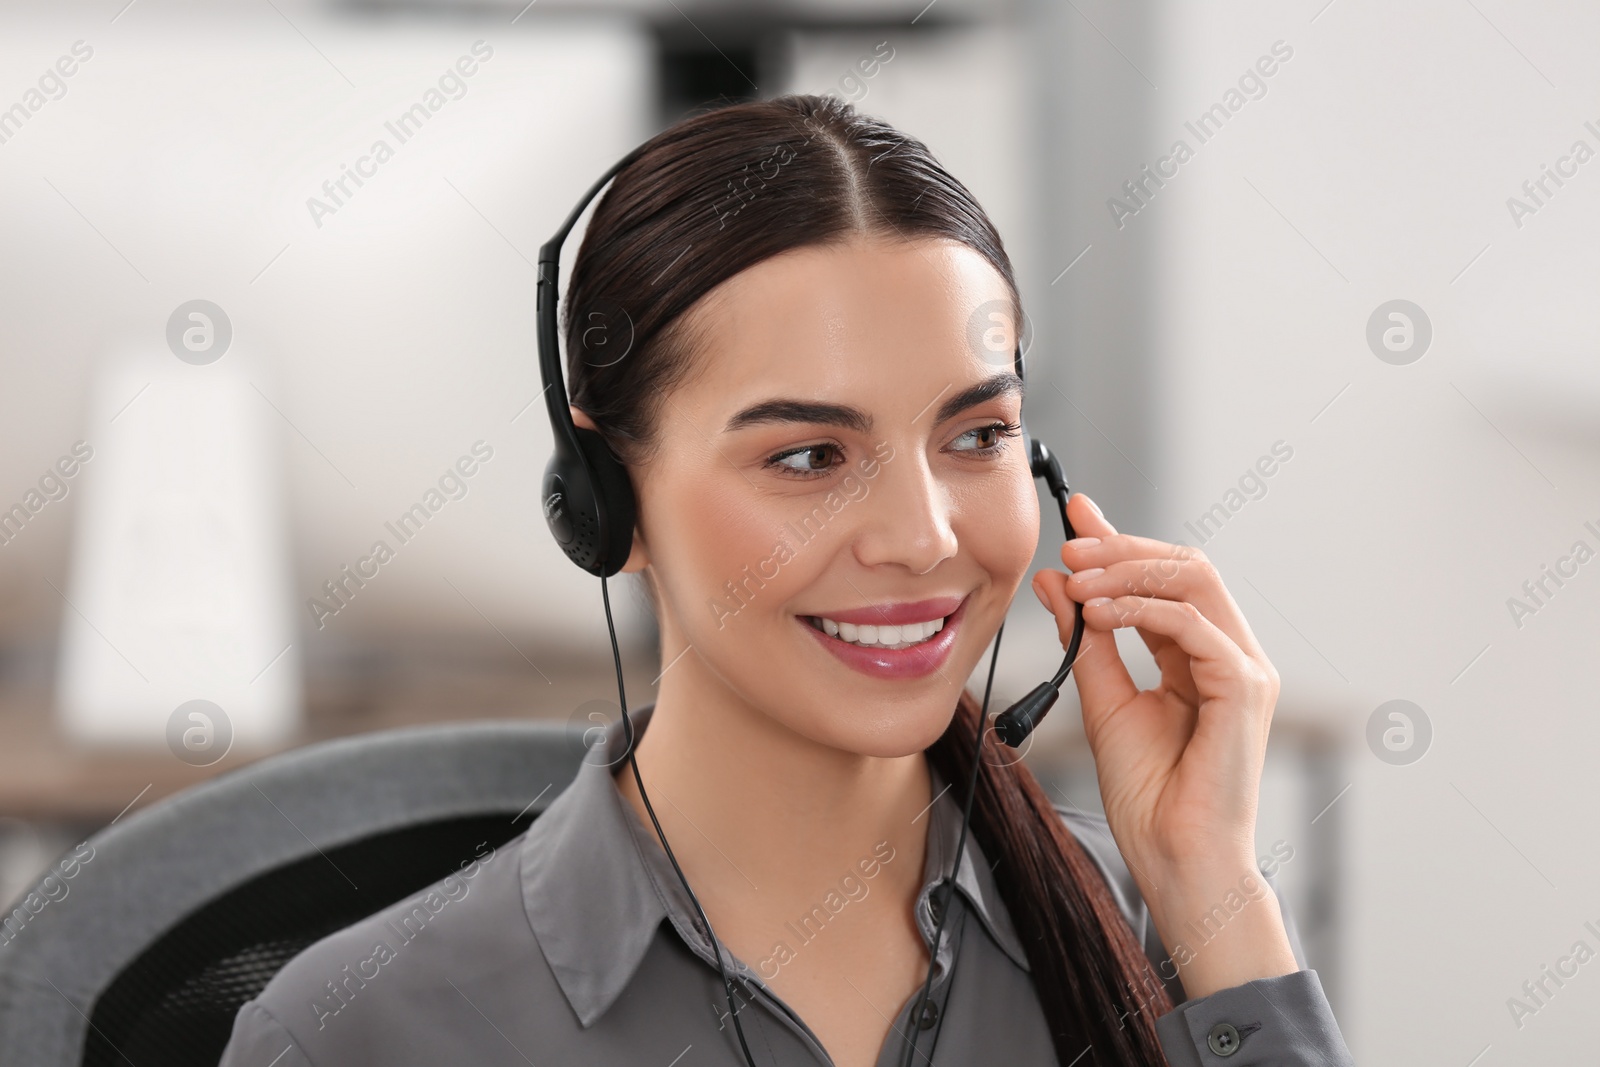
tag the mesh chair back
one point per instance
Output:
(185, 910)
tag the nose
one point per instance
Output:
(907, 522)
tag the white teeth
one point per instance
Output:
(902, 636)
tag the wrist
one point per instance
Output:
(1222, 929)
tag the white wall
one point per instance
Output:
(1379, 565)
(389, 339)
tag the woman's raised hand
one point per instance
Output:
(1180, 764)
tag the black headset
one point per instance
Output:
(588, 500)
(589, 505)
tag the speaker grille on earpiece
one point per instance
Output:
(583, 549)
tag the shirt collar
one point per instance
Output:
(596, 883)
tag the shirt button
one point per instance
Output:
(1223, 1039)
(929, 1017)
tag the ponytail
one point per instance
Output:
(1092, 977)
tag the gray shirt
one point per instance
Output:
(551, 950)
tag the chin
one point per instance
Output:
(889, 731)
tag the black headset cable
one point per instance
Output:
(627, 726)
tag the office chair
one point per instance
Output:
(189, 907)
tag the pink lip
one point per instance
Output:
(915, 662)
(897, 614)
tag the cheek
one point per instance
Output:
(724, 559)
(1000, 528)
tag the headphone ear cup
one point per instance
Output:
(589, 505)
(615, 505)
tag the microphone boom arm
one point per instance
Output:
(1015, 723)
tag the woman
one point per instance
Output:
(834, 513)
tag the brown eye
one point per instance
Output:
(808, 460)
(985, 440)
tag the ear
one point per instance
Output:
(638, 556)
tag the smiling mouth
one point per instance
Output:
(906, 635)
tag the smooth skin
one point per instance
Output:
(774, 767)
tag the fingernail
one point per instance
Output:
(1038, 592)
(1083, 542)
(1096, 602)
(1092, 504)
(1092, 572)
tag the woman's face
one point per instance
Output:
(840, 508)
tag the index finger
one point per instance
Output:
(1169, 572)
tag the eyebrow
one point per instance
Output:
(852, 418)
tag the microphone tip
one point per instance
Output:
(1014, 724)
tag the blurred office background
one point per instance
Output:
(1371, 272)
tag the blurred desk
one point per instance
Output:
(47, 777)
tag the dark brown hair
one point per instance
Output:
(719, 192)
